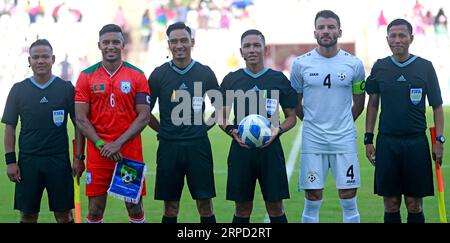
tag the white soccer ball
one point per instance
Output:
(254, 130)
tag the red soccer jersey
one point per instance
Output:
(111, 102)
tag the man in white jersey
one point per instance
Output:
(328, 80)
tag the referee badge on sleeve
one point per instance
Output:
(58, 117)
(197, 104)
(415, 95)
(271, 106)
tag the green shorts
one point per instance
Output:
(177, 159)
(53, 173)
(266, 165)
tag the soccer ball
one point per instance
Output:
(254, 130)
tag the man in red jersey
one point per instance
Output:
(112, 107)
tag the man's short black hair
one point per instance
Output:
(41, 42)
(110, 28)
(327, 14)
(253, 32)
(400, 22)
(178, 26)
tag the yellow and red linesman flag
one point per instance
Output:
(440, 181)
(76, 191)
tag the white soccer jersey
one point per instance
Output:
(327, 88)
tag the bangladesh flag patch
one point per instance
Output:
(99, 88)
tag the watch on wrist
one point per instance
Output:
(440, 139)
(81, 157)
(281, 130)
(229, 129)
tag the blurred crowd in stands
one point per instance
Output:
(72, 27)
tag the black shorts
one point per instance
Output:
(190, 158)
(38, 172)
(266, 165)
(403, 166)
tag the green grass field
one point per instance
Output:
(370, 205)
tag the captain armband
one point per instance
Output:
(142, 99)
(359, 87)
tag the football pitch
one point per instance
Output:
(370, 205)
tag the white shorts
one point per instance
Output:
(314, 170)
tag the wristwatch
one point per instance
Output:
(281, 130)
(440, 139)
(80, 157)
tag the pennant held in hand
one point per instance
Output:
(128, 180)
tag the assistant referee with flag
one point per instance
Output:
(402, 160)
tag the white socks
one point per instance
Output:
(349, 207)
(350, 212)
(311, 211)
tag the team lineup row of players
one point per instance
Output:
(113, 100)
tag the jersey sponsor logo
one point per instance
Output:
(314, 74)
(271, 106)
(125, 87)
(183, 86)
(197, 104)
(415, 95)
(98, 88)
(401, 79)
(341, 76)
(43, 100)
(58, 117)
(255, 88)
(351, 181)
(88, 177)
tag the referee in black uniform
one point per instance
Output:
(42, 102)
(266, 164)
(184, 148)
(402, 159)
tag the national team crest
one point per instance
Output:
(58, 117)
(125, 87)
(341, 76)
(415, 95)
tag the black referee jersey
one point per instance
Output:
(402, 88)
(43, 112)
(271, 89)
(166, 83)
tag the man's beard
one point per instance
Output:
(332, 43)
